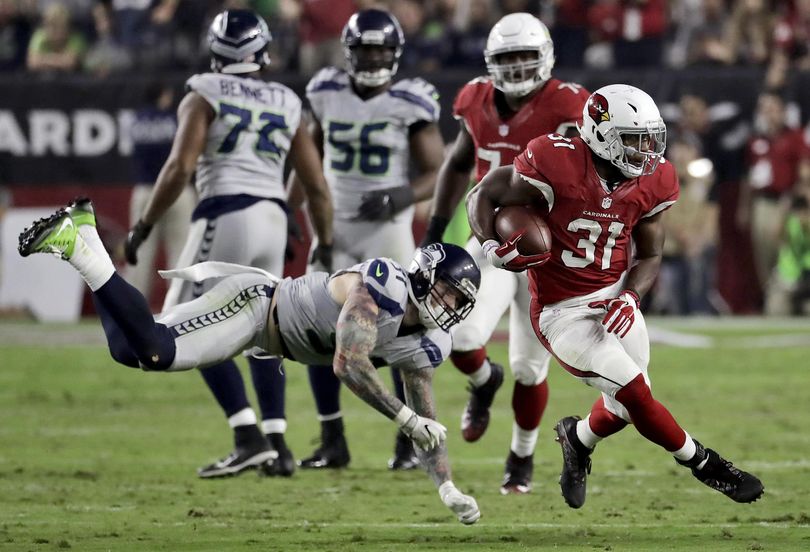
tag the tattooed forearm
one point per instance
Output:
(355, 340)
(419, 393)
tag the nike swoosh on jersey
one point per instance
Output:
(379, 271)
(529, 154)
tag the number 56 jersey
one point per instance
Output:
(591, 227)
(367, 142)
(249, 138)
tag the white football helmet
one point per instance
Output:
(519, 32)
(622, 124)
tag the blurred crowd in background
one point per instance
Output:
(108, 36)
(744, 214)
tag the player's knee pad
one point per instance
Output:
(160, 355)
(529, 371)
(468, 362)
(467, 338)
(636, 395)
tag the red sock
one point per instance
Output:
(649, 416)
(603, 422)
(468, 362)
(529, 403)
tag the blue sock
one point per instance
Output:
(399, 387)
(116, 341)
(126, 317)
(269, 381)
(325, 388)
(225, 382)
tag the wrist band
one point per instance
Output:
(403, 415)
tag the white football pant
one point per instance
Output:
(501, 290)
(575, 334)
(229, 318)
(255, 236)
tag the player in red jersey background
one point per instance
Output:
(498, 115)
(601, 190)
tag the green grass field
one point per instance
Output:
(95, 456)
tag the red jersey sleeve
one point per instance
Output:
(528, 166)
(465, 99)
(666, 190)
(525, 163)
(571, 107)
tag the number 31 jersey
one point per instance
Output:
(249, 138)
(366, 142)
(591, 227)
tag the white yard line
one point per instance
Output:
(540, 525)
(753, 464)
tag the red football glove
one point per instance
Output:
(506, 256)
(621, 312)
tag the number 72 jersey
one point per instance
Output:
(591, 227)
(367, 142)
(249, 138)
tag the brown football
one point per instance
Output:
(513, 218)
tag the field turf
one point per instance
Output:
(94, 456)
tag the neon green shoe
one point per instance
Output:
(56, 234)
(82, 212)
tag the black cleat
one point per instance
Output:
(333, 455)
(576, 462)
(56, 234)
(475, 418)
(282, 465)
(517, 478)
(333, 452)
(721, 475)
(241, 459)
(405, 457)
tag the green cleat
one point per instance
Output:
(82, 212)
(56, 234)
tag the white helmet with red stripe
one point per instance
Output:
(622, 124)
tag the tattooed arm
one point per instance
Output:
(356, 337)
(419, 394)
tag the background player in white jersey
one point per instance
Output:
(371, 314)
(236, 131)
(498, 116)
(369, 130)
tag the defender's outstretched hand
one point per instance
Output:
(464, 506)
(425, 433)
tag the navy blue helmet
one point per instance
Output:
(372, 42)
(238, 40)
(444, 282)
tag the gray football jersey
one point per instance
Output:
(366, 142)
(249, 138)
(308, 316)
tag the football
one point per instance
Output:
(513, 218)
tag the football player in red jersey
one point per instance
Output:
(498, 116)
(603, 189)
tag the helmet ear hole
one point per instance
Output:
(599, 136)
